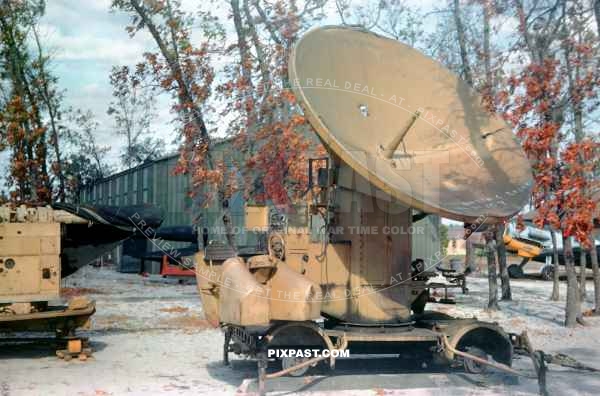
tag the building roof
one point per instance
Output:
(147, 163)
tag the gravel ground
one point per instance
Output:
(150, 337)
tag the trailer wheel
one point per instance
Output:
(472, 366)
(515, 271)
(547, 272)
(485, 342)
(418, 306)
(288, 362)
(227, 346)
(433, 316)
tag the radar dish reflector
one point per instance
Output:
(408, 125)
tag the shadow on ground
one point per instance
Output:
(23, 348)
(367, 373)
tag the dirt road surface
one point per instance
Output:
(150, 337)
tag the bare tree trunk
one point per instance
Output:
(597, 14)
(578, 114)
(579, 136)
(596, 272)
(191, 112)
(488, 90)
(242, 43)
(490, 245)
(13, 69)
(469, 254)
(555, 274)
(504, 278)
(486, 44)
(582, 275)
(53, 115)
(573, 307)
(462, 43)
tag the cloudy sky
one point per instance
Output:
(86, 38)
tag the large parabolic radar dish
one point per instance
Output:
(414, 129)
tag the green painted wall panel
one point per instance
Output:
(155, 184)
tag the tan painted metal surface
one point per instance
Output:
(30, 249)
(360, 277)
(415, 334)
(403, 133)
(408, 125)
(29, 262)
(30, 271)
(207, 283)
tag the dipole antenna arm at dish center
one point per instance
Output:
(393, 145)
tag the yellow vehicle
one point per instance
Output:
(522, 247)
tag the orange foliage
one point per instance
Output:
(560, 169)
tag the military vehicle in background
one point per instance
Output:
(533, 244)
(41, 245)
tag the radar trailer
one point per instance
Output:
(403, 134)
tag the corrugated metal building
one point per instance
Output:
(154, 183)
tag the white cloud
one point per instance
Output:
(91, 89)
(86, 38)
(89, 30)
(91, 47)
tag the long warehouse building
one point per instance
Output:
(153, 182)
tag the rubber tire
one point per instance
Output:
(472, 367)
(434, 316)
(418, 306)
(515, 271)
(289, 362)
(547, 273)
